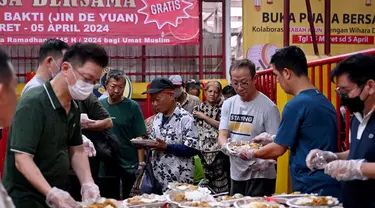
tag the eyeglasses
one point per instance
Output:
(243, 84)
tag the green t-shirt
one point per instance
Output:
(42, 128)
(128, 123)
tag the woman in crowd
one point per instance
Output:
(207, 115)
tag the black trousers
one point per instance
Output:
(254, 187)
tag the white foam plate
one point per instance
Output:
(292, 203)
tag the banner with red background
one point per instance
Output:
(109, 22)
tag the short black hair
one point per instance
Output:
(229, 90)
(52, 47)
(243, 63)
(80, 53)
(359, 67)
(116, 75)
(292, 58)
(6, 72)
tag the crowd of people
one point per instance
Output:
(67, 146)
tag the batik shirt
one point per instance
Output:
(208, 134)
(178, 129)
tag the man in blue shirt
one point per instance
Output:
(308, 122)
(355, 77)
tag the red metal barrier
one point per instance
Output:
(266, 83)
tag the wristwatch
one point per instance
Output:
(142, 163)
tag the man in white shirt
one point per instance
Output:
(244, 116)
(51, 53)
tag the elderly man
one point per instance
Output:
(45, 136)
(243, 117)
(51, 53)
(355, 78)
(8, 100)
(186, 100)
(176, 135)
(128, 124)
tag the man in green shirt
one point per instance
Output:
(128, 123)
(45, 135)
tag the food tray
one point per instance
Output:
(292, 203)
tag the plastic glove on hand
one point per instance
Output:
(262, 165)
(90, 193)
(89, 146)
(345, 170)
(264, 138)
(247, 154)
(318, 159)
(57, 198)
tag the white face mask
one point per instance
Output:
(53, 75)
(178, 92)
(81, 89)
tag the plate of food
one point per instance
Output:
(186, 187)
(227, 200)
(313, 201)
(178, 197)
(146, 200)
(200, 204)
(104, 203)
(142, 141)
(239, 146)
(282, 198)
(258, 202)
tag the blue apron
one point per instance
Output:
(359, 193)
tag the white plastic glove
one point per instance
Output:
(318, 159)
(226, 150)
(57, 198)
(247, 154)
(85, 121)
(90, 193)
(345, 170)
(262, 165)
(264, 138)
(89, 146)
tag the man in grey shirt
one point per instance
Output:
(50, 58)
(244, 116)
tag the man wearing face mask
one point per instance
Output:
(186, 101)
(355, 78)
(50, 57)
(45, 135)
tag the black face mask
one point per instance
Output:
(353, 104)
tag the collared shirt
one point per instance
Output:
(359, 193)
(178, 129)
(190, 102)
(43, 129)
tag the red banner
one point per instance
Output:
(109, 22)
